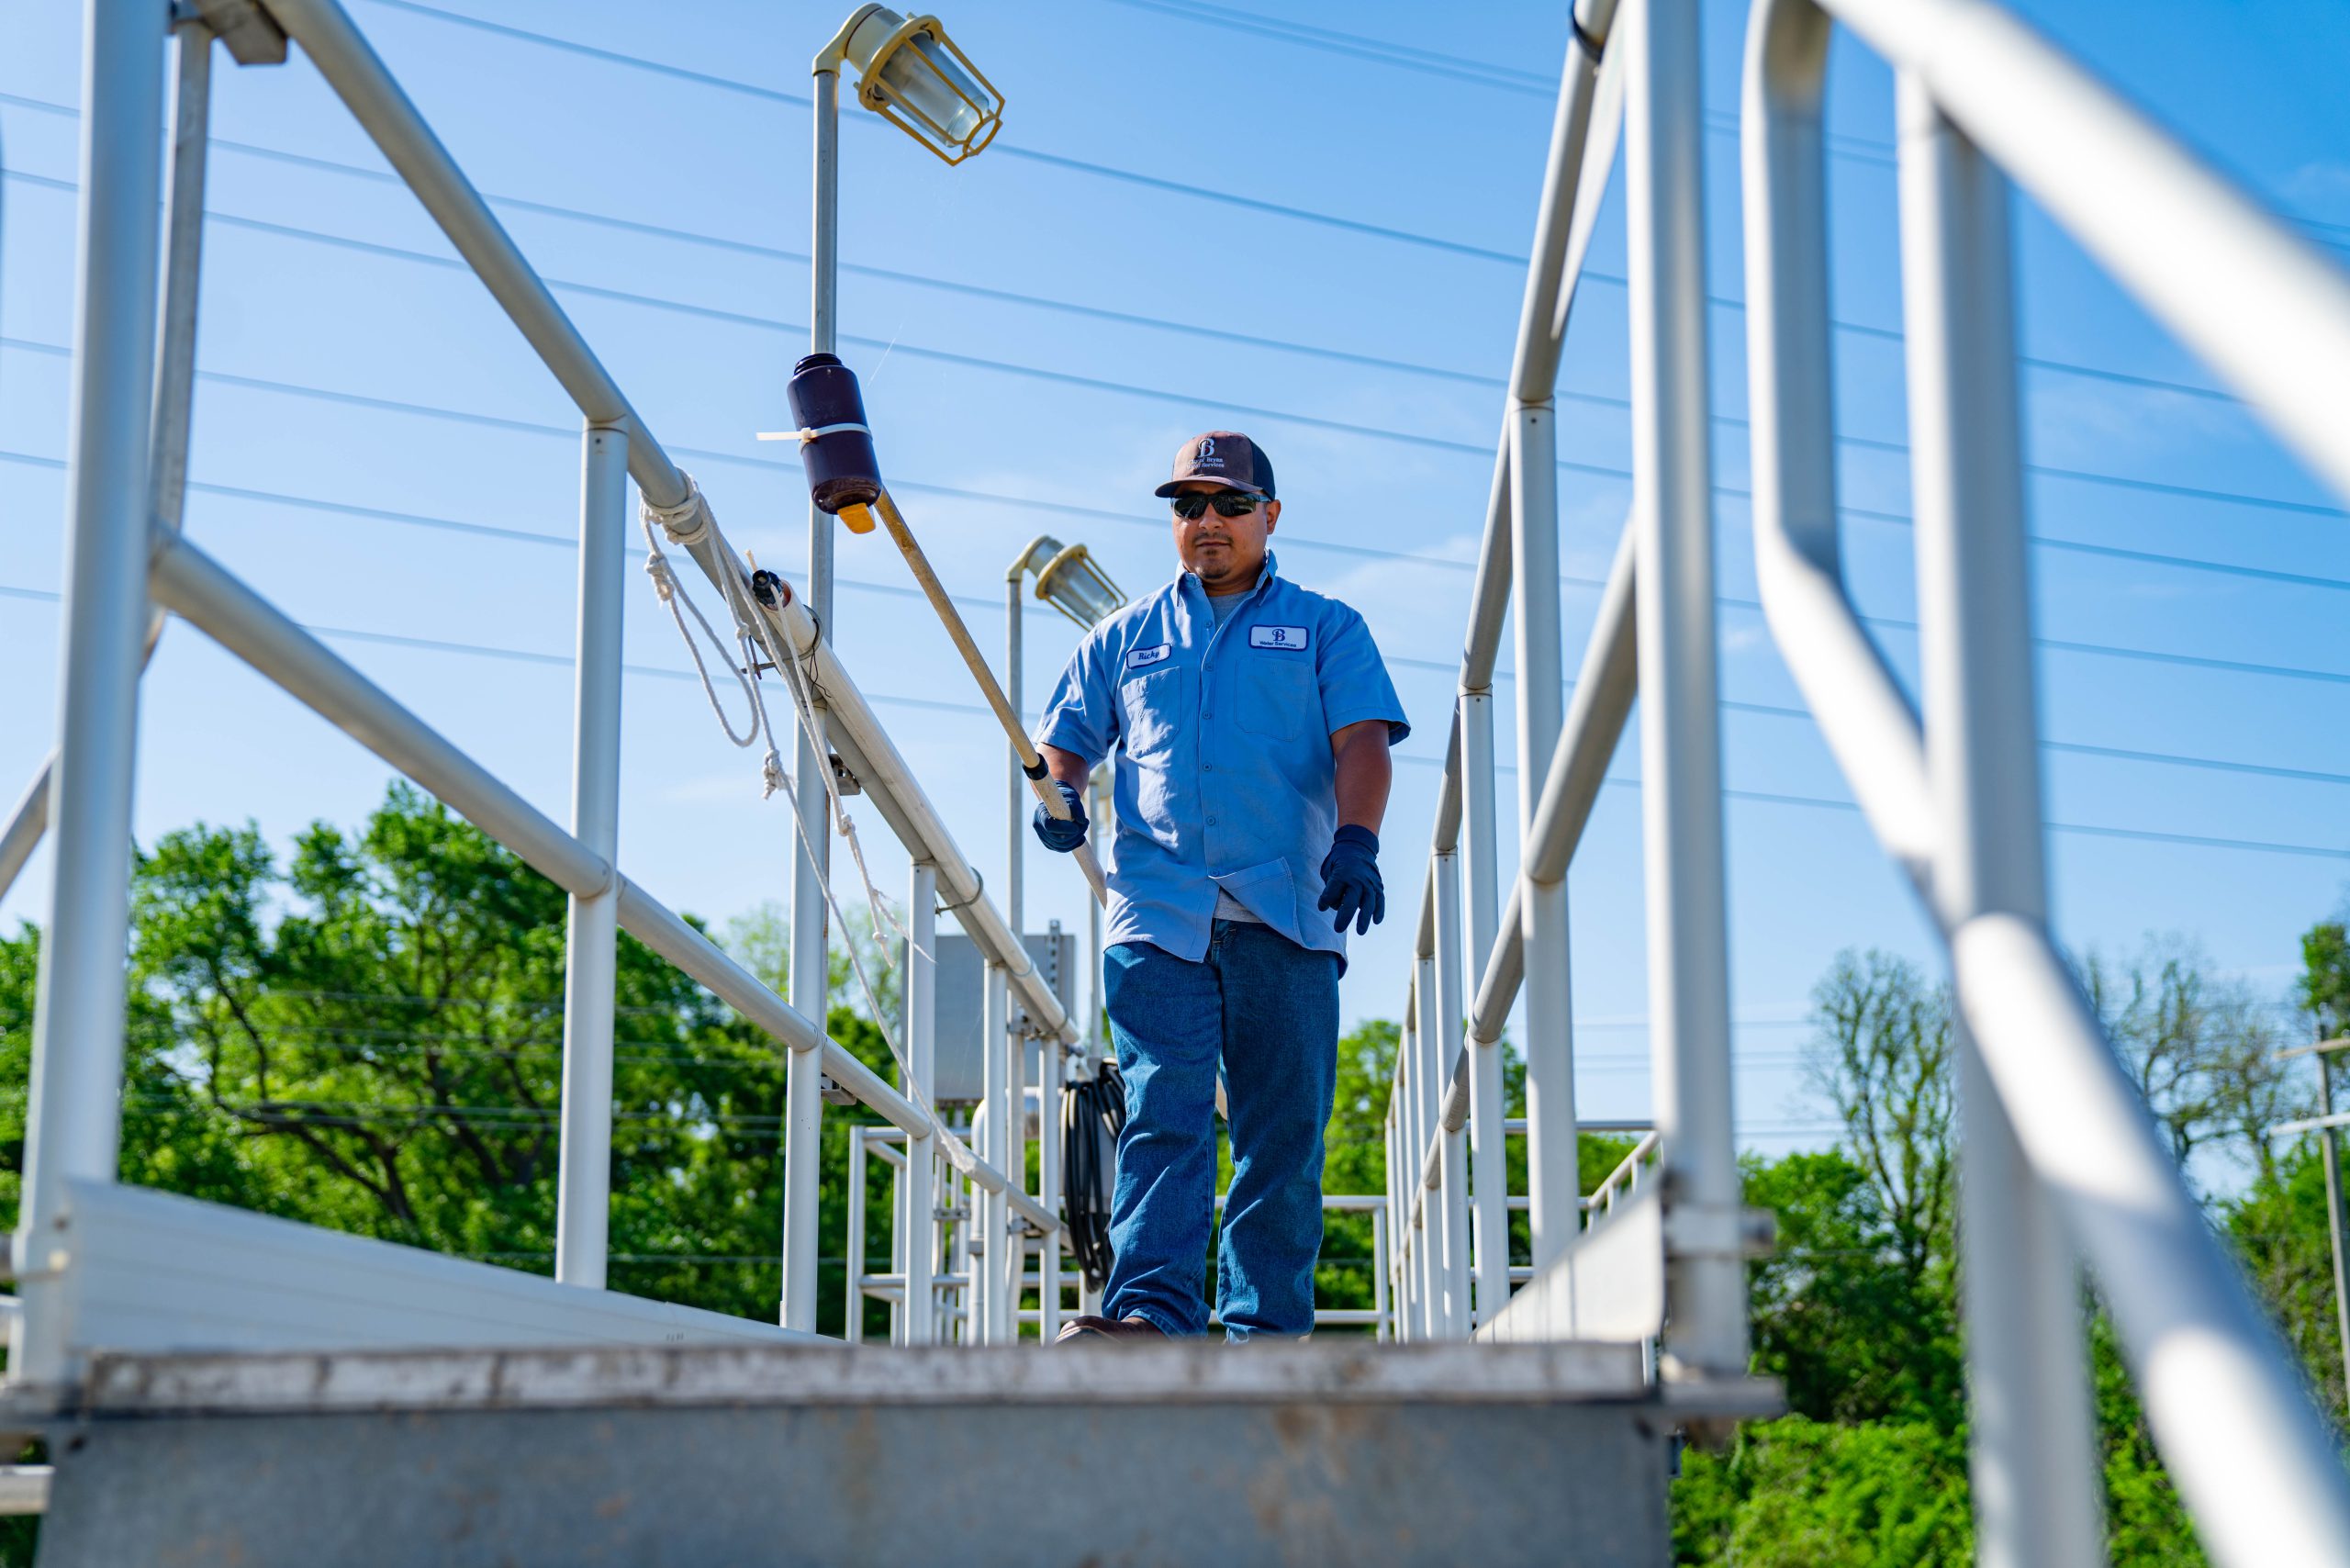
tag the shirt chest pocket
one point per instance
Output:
(1153, 705)
(1278, 697)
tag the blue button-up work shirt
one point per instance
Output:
(1224, 775)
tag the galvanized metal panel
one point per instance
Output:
(1336, 1371)
(1279, 1454)
(1609, 1285)
(956, 1059)
(148, 1271)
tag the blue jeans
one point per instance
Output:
(1269, 1010)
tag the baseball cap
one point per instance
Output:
(1223, 457)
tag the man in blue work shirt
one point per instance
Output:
(1253, 719)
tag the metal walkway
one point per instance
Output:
(236, 1388)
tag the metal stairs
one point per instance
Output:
(1315, 1451)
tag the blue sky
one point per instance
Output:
(376, 451)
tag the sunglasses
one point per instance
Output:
(1227, 503)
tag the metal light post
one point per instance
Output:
(2327, 1124)
(1068, 579)
(911, 74)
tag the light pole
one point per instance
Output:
(1068, 579)
(912, 75)
(2327, 1124)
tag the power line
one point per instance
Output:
(2093, 649)
(1000, 146)
(2062, 645)
(1133, 177)
(1223, 407)
(1589, 275)
(1755, 796)
(1722, 122)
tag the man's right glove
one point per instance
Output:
(1350, 881)
(1055, 833)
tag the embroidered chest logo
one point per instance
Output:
(1141, 657)
(1288, 639)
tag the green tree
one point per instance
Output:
(2202, 1049)
(369, 1037)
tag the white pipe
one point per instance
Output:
(852, 1326)
(920, 1186)
(174, 373)
(2031, 1429)
(191, 585)
(2260, 303)
(2251, 1456)
(809, 855)
(583, 1189)
(74, 1117)
(1681, 722)
(367, 88)
(887, 773)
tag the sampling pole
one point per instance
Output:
(1031, 763)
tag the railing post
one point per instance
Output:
(2036, 1483)
(1015, 1046)
(852, 1325)
(73, 1126)
(1053, 1064)
(1680, 724)
(1428, 1092)
(1450, 1040)
(584, 1182)
(921, 1186)
(987, 1268)
(1392, 1144)
(1488, 1107)
(1408, 1150)
(1386, 1329)
(811, 970)
(1548, 1046)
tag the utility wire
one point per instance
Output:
(1013, 151)
(568, 434)
(1588, 275)
(1755, 796)
(766, 323)
(2235, 667)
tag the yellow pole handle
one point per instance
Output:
(935, 591)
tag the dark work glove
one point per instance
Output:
(1350, 881)
(1055, 833)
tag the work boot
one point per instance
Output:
(1109, 1329)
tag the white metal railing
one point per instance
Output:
(126, 476)
(1635, 78)
(952, 1316)
(2063, 1163)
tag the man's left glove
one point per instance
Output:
(1055, 833)
(1350, 881)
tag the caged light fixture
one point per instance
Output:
(1070, 580)
(911, 74)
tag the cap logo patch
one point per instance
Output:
(1207, 446)
(1288, 639)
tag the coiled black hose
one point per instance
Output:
(1093, 1115)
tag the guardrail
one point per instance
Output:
(127, 473)
(2063, 1164)
(952, 1319)
(1654, 639)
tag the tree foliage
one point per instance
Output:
(1858, 1310)
(369, 1037)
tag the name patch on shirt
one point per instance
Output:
(1292, 639)
(1142, 657)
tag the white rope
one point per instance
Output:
(700, 525)
(673, 593)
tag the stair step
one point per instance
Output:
(1130, 1454)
